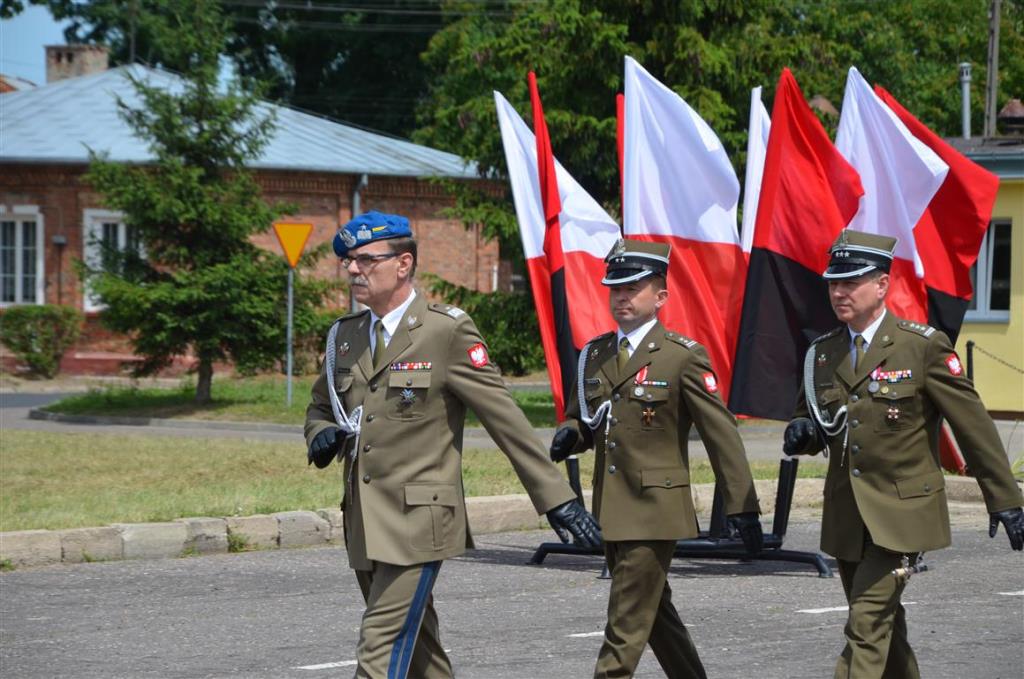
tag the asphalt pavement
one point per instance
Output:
(294, 614)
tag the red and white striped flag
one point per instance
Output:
(565, 264)
(681, 189)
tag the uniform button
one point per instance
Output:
(435, 497)
(408, 383)
(615, 396)
(366, 478)
(856, 472)
(855, 449)
(855, 398)
(613, 422)
(367, 448)
(611, 445)
(611, 469)
(854, 423)
(373, 386)
(369, 418)
(668, 482)
(927, 487)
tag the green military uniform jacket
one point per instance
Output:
(404, 501)
(888, 477)
(642, 472)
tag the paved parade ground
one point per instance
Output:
(295, 613)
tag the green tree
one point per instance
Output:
(196, 283)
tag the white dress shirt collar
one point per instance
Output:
(636, 336)
(869, 332)
(391, 320)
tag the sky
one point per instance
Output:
(21, 43)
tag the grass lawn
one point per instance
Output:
(252, 399)
(54, 481)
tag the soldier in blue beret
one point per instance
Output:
(391, 401)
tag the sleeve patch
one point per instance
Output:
(955, 367)
(710, 383)
(478, 355)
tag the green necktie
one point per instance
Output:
(623, 352)
(378, 341)
(858, 356)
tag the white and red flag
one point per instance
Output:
(681, 189)
(757, 147)
(900, 175)
(565, 239)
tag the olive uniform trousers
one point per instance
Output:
(640, 611)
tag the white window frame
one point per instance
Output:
(16, 214)
(92, 225)
(983, 313)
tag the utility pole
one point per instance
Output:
(992, 77)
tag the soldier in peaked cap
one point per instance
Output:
(874, 390)
(392, 401)
(640, 389)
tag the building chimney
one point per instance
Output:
(71, 61)
(965, 98)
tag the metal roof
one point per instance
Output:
(59, 122)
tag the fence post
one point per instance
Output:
(970, 360)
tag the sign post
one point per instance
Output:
(293, 238)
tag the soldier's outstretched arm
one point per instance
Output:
(947, 386)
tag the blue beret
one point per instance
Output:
(367, 228)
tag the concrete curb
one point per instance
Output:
(220, 535)
(46, 415)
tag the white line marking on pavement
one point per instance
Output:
(1020, 593)
(328, 665)
(834, 609)
(586, 634)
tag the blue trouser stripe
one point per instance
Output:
(405, 644)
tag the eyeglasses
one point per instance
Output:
(366, 261)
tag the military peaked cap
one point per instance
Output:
(633, 260)
(855, 253)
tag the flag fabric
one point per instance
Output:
(948, 237)
(757, 144)
(681, 189)
(809, 193)
(900, 176)
(949, 233)
(585, 234)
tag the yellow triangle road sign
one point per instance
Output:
(293, 238)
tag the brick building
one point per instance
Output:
(49, 216)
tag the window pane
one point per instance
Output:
(28, 261)
(1000, 267)
(108, 246)
(7, 260)
(973, 304)
(132, 241)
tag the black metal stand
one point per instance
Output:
(718, 542)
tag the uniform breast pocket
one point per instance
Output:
(895, 407)
(407, 395)
(430, 513)
(648, 408)
(593, 392)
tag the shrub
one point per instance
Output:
(507, 321)
(38, 335)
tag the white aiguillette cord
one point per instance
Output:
(832, 426)
(350, 424)
(592, 421)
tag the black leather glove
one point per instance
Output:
(571, 519)
(1013, 522)
(563, 443)
(324, 447)
(748, 525)
(798, 434)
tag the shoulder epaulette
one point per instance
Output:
(352, 314)
(918, 328)
(601, 337)
(446, 309)
(682, 340)
(831, 333)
